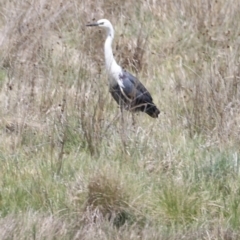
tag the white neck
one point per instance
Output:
(111, 64)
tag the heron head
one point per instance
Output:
(103, 23)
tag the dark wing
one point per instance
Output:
(134, 89)
(133, 96)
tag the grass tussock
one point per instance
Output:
(109, 200)
(73, 168)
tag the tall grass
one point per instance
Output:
(73, 167)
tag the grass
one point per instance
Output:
(72, 169)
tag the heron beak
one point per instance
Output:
(92, 24)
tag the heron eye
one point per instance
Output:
(101, 23)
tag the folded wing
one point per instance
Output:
(133, 95)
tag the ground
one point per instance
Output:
(73, 168)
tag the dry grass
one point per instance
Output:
(72, 169)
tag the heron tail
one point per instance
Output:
(152, 110)
(149, 108)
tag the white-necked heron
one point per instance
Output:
(126, 89)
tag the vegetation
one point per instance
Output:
(73, 168)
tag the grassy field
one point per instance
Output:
(71, 168)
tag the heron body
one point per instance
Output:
(126, 89)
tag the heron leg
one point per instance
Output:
(133, 120)
(122, 130)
